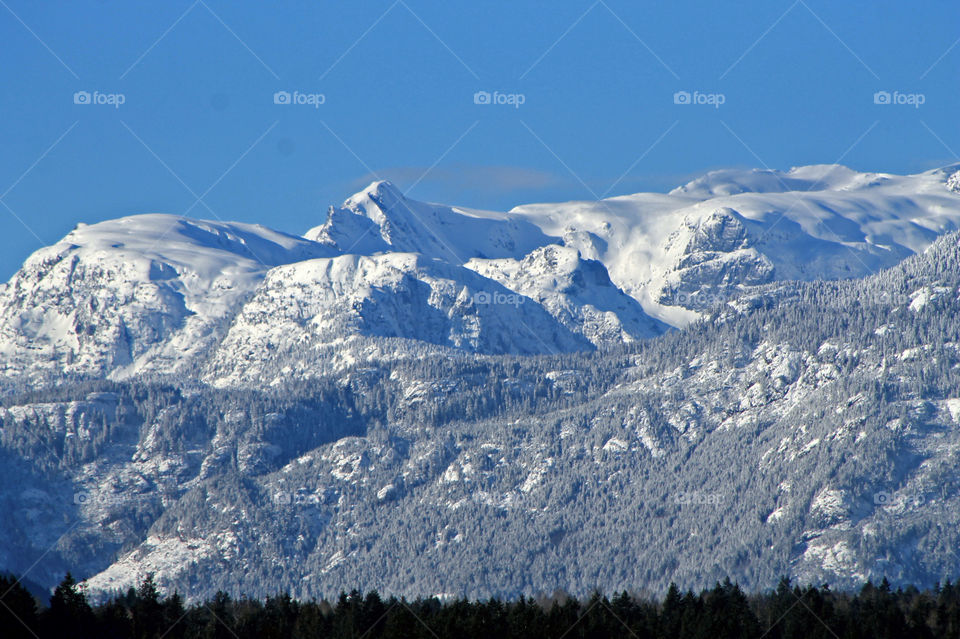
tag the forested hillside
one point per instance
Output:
(805, 429)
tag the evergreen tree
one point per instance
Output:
(69, 615)
(671, 615)
(147, 611)
(18, 610)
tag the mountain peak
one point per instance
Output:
(381, 218)
(382, 192)
(381, 187)
(363, 222)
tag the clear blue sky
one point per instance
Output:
(398, 79)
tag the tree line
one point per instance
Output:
(721, 612)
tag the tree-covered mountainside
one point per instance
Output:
(805, 429)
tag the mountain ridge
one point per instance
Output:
(811, 429)
(676, 255)
(314, 421)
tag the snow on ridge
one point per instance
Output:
(153, 292)
(133, 294)
(331, 308)
(576, 291)
(816, 222)
(380, 218)
(810, 222)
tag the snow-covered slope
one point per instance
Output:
(157, 293)
(682, 252)
(134, 294)
(380, 218)
(577, 292)
(692, 247)
(769, 440)
(812, 434)
(311, 317)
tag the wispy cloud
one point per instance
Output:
(492, 179)
(510, 186)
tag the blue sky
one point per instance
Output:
(586, 90)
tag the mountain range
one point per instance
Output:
(755, 374)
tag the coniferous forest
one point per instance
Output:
(724, 611)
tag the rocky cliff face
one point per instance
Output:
(715, 258)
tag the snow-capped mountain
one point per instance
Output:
(682, 252)
(815, 222)
(233, 407)
(161, 294)
(140, 293)
(810, 429)
(318, 316)
(380, 219)
(576, 291)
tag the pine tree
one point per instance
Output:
(69, 615)
(18, 610)
(147, 611)
(671, 615)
